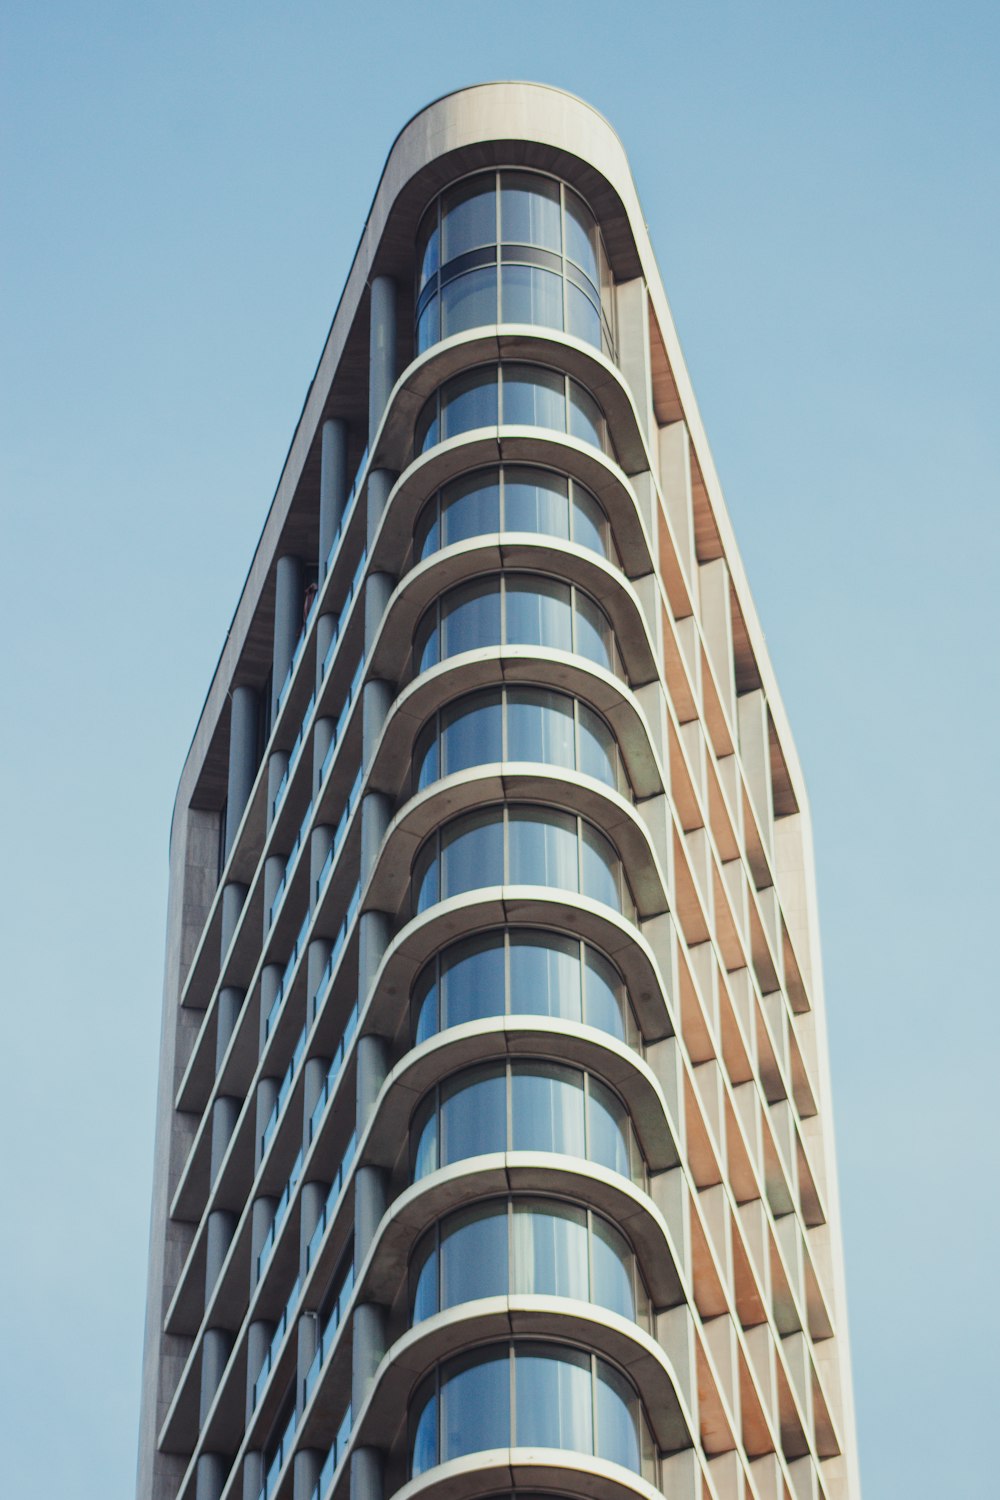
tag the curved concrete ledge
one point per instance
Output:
(525, 552)
(487, 446)
(498, 1038)
(530, 666)
(505, 1173)
(512, 342)
(519, 906)
(549, 1471)
(553, 1319)
(517, 782)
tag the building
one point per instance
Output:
(494, 1143)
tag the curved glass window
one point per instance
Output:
(521, 971)
(515, 609)
(519, 845)
(517, 395)
(534, 1246)
(533, 1395)
(518, 724)
(512, 247)
(523, 1106)
(512, 498)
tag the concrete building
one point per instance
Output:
(494, 1143)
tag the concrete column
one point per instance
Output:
(320, 844)
(274, 869)
(378, 592)
(261, 1218)
(370, 1201)
(373, 940)
(211, 1476)
(326, 627)
(369, 1347)
(317, 956)
(367, 1474)
(289, 593)
(305, 1476)
(332, 485)
(270, 980)
(322, 740)
(306, 1344)
(276, 768)
(381, 349)
(233, 897)
(313, 1198)
(313, 1079)
(373, 1065)
(219, 1231)
(225, 1113)
(376, 814)
(259, 1336)
(244, 721)
(253, 1475)
(377, 491)
(375, 704)
(216, 1348)
(267, 1093)
(230, 1004)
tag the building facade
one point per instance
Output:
(494, 1147)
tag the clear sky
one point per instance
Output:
(183, 188)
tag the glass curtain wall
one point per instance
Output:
(512, 247)
(515, 395)
(515, 497)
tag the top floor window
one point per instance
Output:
(512, 247)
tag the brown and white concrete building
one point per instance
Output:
(494, 1145)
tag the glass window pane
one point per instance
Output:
(534, 500)
(426, 642)
(600, 869)
(617, 1412)
(472, 853)
(533, 397)
(545, 976)
(529, 210)
(582, 240)
(540, 727)
(553, 1399)
(586, 420)
(424, 1139)
(474, 1255)
(424, 1279)
(590, 525)
(425, 878)
(603, 995)
(469, 216)
(548, 1109)
(470, 507)
(529, 294)
(425, 756)
(471, 616)
(423, 1429)
(607, 1129)
(428, 333)
(598, 750)
(550, 1251)
(542, 848)
(469, 401)
(424, 1005)
(475, 1404)
(472, 980)
(426, 533)
(583, 320)
(471, 733)
(538, 613)
(428, 247)
(473, 1115)
(470, 301)
(594, 639)
(611, 1261)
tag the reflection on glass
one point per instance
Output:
(515, 498)
(529, 210)
(519, 395)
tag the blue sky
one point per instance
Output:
(183, 189)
